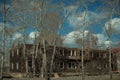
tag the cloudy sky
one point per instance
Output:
(96, 20)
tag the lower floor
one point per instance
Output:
(63, 66)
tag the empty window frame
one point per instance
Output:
(73, 53)
(17, 51)
(62, 52)
(12, 66)
(12, 53)
(96, 55)
(81, 53)
(61, 65)
(72, 65)
(17, 66)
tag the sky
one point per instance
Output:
(74, 23)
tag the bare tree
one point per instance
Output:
(111, 7)
(20, 18)
(84, 25)
(4, 10)
(45, 23)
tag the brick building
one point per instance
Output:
(67, 60)
(117, 52)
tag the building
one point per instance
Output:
(117, 52)
(67, 60)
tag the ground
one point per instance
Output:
(102, 77)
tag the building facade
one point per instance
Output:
(67, 60)
(116, 51)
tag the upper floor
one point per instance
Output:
(21, 51)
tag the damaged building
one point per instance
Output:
(28, 59)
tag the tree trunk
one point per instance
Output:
(24, 51)
(1, 67)
(82, 59)
(3, 41)
(33, 60)
(52, 60)
(41, 68)
(25, 57)
(44, 61)
(110, 68)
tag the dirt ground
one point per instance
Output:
(102, 77)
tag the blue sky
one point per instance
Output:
(74, 22)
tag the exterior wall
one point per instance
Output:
(17, 62)
(67, 60)
(118, 63)
(116, 51)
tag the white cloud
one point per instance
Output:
(77, 20)
(102, 40)
(115, 25)
(34, 34)
(29, 39)
(16, 36)
(108, 43)
(70, 38)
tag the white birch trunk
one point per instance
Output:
(82, 59)
(3, 42)
(33, 60)
(44, 61)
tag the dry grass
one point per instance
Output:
(103, 77)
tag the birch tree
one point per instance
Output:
(20, 18)
(4, 12)
(44, 28)
(84, 24)
(110, 8)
